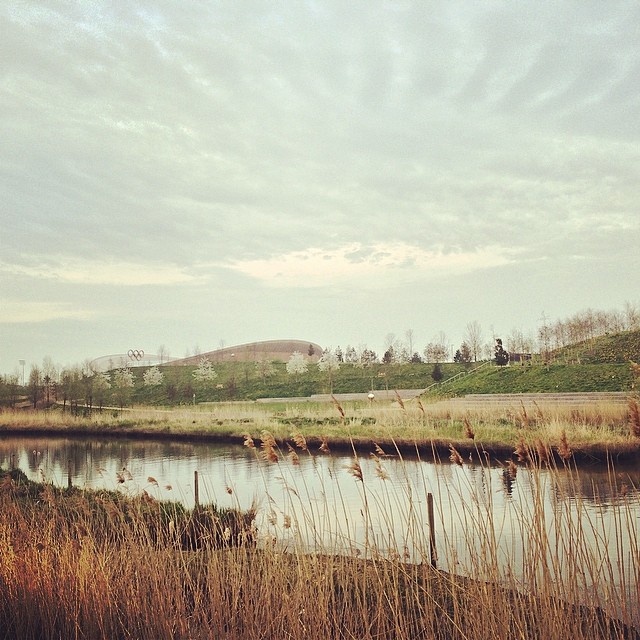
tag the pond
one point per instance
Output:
(581, 525)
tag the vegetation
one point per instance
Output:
(84, 565)
(553, 378)
(598, 363)
(595, 431)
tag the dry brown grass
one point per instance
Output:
(604, 425)
(68, 572)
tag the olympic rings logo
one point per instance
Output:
(135, 354)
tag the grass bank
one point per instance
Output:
(591, 432)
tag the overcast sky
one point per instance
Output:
(192, 174)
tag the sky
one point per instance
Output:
(202, 174)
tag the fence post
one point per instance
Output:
(69, 483)
(432, 531)
(196, 489)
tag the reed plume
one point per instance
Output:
(248, 441)
(468, 429)
(543, 451)
(455, 456)
(324, 445)
(522, 451)
(355, 469)
(524, 416)
(564, 451)
(400, 401)
(269, 446)
(300, 441)
(338, 406)
(511, 469)
(292, 456)
(380, 470)
(379, 450)
(634, 417)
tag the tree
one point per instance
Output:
(311, 351)
(265, 369)
(87, 376)
(204, 373)
(123, 382)
(435, 352)
(463, 354)
(415, 358)
(437, 374)
(296, 364)
(501, 357)
(368, 357)
(49, 378)
(408, 334)
(152, 377)
(328, 363)
(71, 384)
(101, 386)
(473, 338)
(163, 354)
(35, 384)
(350, 355)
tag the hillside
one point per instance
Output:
(600, 364)
(618, 348)
(554, 378)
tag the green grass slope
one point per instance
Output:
(601, 364)
(554, 378)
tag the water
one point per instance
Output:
(320, 503)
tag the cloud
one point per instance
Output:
(100, 272)
(376, 264)
(23, 311)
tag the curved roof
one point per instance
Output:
(250, 352)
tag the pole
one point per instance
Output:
(69, 483)
(196, 488)
(432, 530)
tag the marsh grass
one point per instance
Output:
(81, 564)
(603, 428)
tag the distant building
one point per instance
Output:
(519, 357)
(280, 350)
(255, 351)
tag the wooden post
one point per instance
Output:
(432, 530)
(196, 489)
(69, 483)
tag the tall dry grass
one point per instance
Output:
(605, 427)
(76, 565)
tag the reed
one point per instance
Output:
(101, 565)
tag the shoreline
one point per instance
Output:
(434, 449)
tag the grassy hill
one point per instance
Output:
(554, 378)
(619, 348)
(243, 381)
(599, 365)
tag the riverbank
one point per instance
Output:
(591, 432)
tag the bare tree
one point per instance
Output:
(35, 384)
(408, 334)
(473, 338)
(163, 354)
